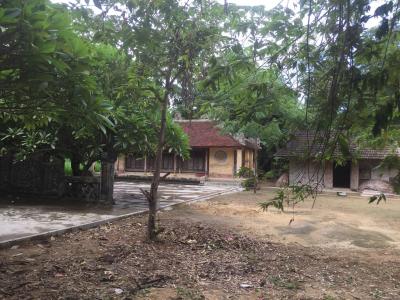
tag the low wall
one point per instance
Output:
(42, 178)
(302, 172)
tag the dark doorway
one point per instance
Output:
(341, 175)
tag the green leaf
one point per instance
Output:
(47, 47)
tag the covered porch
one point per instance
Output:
(211, 162)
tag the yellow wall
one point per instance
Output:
(248, 158)
(120, 164)
(239, 159)
(216, 168)
(221, 168)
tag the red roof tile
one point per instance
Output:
(205, 133)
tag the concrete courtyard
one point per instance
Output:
(22, 221)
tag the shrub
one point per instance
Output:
(245, 172)
(271, 174)
(248, 183)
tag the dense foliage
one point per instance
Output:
(90, 80)
(65, 94)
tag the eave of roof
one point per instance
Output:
(302, 145)
(205, 133)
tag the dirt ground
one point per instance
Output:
(334, 222)
(224, 248)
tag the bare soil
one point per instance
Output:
(334, 222)
(196, 258)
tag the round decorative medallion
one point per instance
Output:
(220, 155)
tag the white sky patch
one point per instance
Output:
(268, 4)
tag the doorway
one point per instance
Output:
(341, 175)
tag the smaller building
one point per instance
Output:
(304, 168)
(212, 154)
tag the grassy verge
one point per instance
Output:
(68, 168)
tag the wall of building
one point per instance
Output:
(312, 173)
(328, 175)
(248, 158)
(354, 176)
(216, 167)
(221, 168)
(239, 159)
(120, 164)
(370, 170)
(306, 173)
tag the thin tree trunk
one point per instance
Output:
(75, 166)
(255, 171)
(107, 171)
(152, 197)
(107, 180)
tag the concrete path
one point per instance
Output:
(24, 221)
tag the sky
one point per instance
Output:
(267, 3)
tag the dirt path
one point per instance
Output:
(203, 259)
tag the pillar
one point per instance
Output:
(354, 176)
(239, 159)
(328, 175)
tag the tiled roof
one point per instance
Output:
(205, 133)
(303, 145)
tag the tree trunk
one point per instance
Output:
(107, 182)
(75, 166)
(107, 179)
(152, 196)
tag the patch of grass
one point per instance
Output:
(188, 294)
(377, 294)
(328, 297)
(252, 258)
(68, 168)
(144, 292)
(97, 166)
(287, 284)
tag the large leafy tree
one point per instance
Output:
(67, 94)
(45, 78)
(45, 67)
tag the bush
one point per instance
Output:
(271, 174)
(395, 182)
(248, 183)
(245, 172)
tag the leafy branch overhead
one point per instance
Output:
(289, 196)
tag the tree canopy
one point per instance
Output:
(91, 80)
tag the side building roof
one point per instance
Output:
(303, 144)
